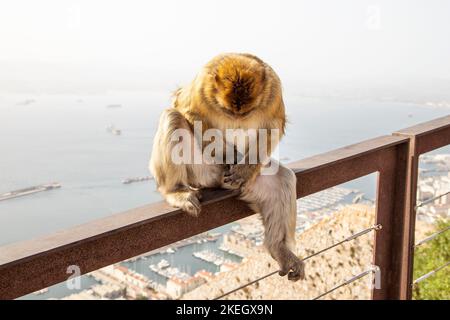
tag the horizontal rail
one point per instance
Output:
(429, 135)
(429, 274)
(431, 237)
(347, 282)
(31, 265)
(350, 238)
(423, 203)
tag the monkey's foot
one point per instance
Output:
(191, 206)
(292, 266)
(185, 200)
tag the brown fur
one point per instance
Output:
(233, 91)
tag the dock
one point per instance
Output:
(29, 191)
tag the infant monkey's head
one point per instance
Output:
(238, 82)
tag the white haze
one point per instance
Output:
(90, 46)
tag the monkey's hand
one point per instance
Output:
(291, 265)
(237, 175)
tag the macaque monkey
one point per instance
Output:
(233, 91)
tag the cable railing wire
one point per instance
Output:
(348, 281)
(421, 204)
(429, 274)
(429, 238)
(376, 227)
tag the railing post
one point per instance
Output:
(410, 215)
(391, 252)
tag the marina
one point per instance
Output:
(198, 239)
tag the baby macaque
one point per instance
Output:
(238, 93)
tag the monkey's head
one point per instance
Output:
(238, 81)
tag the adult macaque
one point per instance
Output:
(233, 91)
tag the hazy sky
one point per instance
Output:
(56, 40)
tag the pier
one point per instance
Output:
(29, 191)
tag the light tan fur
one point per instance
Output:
(233, 91)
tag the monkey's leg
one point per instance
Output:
(274, 196)
(172, 178)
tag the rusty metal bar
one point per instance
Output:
(342, 165)
(429, 135)
(423, 138)
(32, 265)
(389, 253)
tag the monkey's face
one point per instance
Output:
(237, 88)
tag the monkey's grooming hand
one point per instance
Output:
(291, 265)
(236, 175)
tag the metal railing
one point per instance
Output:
(31, 265)
(429, 274)
(352, 237)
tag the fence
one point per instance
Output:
(35, 264)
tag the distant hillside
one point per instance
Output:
(323, 271)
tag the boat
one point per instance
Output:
(163, 264)
(30, 190)
(211, 257)
(42, 291)
(116, 132)
(112, 129)
(213, 236)
(170, 250)
(153, 268)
